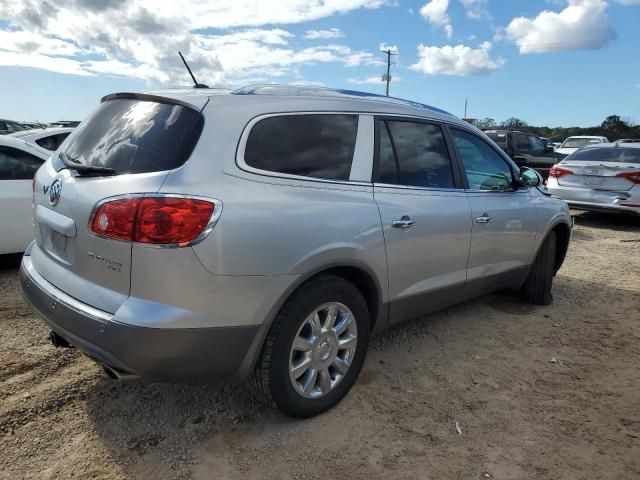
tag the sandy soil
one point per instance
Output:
(537, 392)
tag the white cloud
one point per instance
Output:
(583, 24)
(456, 60)
(628, 2)
(140, 38)
(476, 9)
(330, 33)
(435, 12)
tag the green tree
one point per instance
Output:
(514, 122)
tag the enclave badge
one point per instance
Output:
(55, 189)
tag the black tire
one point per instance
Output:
(271, 375)
(537, 286)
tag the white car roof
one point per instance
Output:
(8, 141)
(37, 133)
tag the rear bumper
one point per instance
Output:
(155, 354)
(607, 201)
(594, 207)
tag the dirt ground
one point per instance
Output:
(537, 392)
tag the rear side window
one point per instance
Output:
(136, 136)
(317, 146)
(522, 141)
(17, 165)
(52, 142)
(413, 154)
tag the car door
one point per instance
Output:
(521, 149)
(425, 215)
(504, 218)
(17, 168)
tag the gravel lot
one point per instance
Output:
(538, 392)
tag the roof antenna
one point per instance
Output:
(195, 82)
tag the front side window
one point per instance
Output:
(485, 169)
(17, 165)
(536, 144)
(317, 146)
(413, 154)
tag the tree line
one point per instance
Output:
(613, 127)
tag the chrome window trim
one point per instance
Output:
(215, 216)
(360, 155)
(424, 189)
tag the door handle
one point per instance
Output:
(404, 223)
(485, 218)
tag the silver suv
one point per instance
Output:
(268, 232)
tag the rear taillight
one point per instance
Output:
(154, 220)
(633, 176)
(558, 172)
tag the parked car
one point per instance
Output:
(526, 149)
(548, 142)
(604, 178)
(9, 126)
(47, 138)
(18, 163)
(65, 123)
(628, 140)
(269, 231)
(572, 144)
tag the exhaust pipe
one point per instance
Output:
(118, 375)
(57, 341)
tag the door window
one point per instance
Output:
(485, 168)
(522, 141)
(52, 142)
(17, 165)
(413, 154)
(318, 146)
(536, 144)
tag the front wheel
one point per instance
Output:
(315, 348)
(537, 286)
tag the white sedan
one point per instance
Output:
(572, 144)
(19, 161)
(48, 138)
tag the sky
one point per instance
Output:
(548, 62)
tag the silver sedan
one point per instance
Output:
(603, 178)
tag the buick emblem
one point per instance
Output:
(55, 189)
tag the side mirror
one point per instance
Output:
(530, 178)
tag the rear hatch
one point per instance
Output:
(127, 146)
(610, 168)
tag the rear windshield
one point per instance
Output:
(579, 142)
(136, 136)
(499, 137)
(614, 154)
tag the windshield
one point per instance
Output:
(499, 137)
(615, 154)
(579, 142)
(135, 136)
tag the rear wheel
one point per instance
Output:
(537, 286)
(316, 347)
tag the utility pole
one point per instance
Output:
(465, 108)
(387, 77)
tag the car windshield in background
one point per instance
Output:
(499, 138)
(136, 136)
(579, 142)
(615, 154)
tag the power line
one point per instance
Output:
(387, 77)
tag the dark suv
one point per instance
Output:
(526, 149)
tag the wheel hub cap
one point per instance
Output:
(323, 350)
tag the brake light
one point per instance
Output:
(153, 220)
(558, 172)
(633, 176)
(116, 219)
